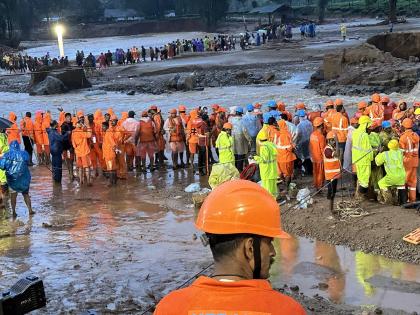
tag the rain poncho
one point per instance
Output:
(224, 144)
(302, 142)
(293, 130)
(15, 163)
(252, 124)
(394, 168)
(240, 136)
(221, 173)
(4, 147)
(267, 161)
(347, 151)
(362, 155)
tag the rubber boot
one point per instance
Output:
(174, 161)
(402, 196)
(181, 158)
(115, 178)
(88, 176)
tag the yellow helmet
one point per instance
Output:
(393, 145)
(417, 111)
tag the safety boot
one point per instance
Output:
(402, 196)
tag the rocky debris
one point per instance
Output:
(53, 80)
(400, 44)
(269, 76)
(186, 83)
(365, 69)
(49, 86)
(132, 92)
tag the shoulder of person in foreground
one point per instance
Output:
(271, 302)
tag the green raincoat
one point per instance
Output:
(224, 143)
(267, 160)
(394, 168)
(4, 147)
(362, 155)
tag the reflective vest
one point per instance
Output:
(340, 126)
(224, 144)
(332, 166)
(175, 130)
(362, 153)
(146, 130)
(376, 112)
(409, 144)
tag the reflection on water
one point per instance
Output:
(344, 276)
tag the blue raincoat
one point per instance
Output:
(302, 143)
(15, 163)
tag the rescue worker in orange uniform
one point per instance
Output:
(196, 131)
(145, 141)
(27, 128)
(185, 118)
(46, 123)
(39, 139)
(120, 136)
(409, 144)
(388, 109)
(317, 144)
(361, 108)
(130, 126)
(285, 155)
(314, 113)
(375, 111)
(109, 146)
(96, 156)
(327, 115)
(340, 125)
(79, 139)
(332, 167)
(175, 131)
(402, 112)
(241, 220)
(281, 107)
(13, 132)
(160, 140)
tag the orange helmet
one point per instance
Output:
(257, 105)
(407, 123)
(338, 101)
(215, 106)
(281, 106)
(144, 113)
(385, 99)
(240, 206)
(221, 110)
(114, 117)
(182, 108)
(362, 105)
(173, 111)
(194, 114)
(331, 135)
(227, 126)
(318, 121)
(80, 114)
(329, 103)
(376, 98)
(416, 104)
(300, 106)
(154, 107)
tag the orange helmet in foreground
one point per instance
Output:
(407, 123)
(240, 207)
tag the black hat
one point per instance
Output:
(131, 114)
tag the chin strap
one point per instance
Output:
(257, 257)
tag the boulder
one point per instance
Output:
(268, 77)
(49, 86)
(186, 83)
(72, 79)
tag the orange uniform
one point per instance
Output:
(376, 113)
(39, 139)
(108, 150)
(332, 165)
(283, 141)
(409, 144)
(159, 127)
(13, 132)
(27, 127)
(246, 297)
(79, 139)
(317, 145)
(328, 119)
(313, 115)
(95, 147)
(46, 123)
(120, 136)
(340, 126)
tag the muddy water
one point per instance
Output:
(120, 249)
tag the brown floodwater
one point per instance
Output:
(118, 250)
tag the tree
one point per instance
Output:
(393, 11)
(322, 5)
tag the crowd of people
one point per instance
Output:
(379, 144)
(136, 55)
(18, 63)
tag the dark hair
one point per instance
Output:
(224, 245)
(67, 114)
(54, 124)
(28, 114)
(271, 121)
(105, 124)
(284, 116)
(339, 108)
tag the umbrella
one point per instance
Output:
(5, 123)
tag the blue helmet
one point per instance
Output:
(272, 104)
(266, 117)
(249, 107)
(386, 124)
(239, 110)
(301, 113)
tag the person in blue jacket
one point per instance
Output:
(56, 147)
(15, 163)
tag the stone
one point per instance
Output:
(268, 77)
(186, 83)
(49, 86)
(242, 75)
(132, 92)
(278, 82)
(294, 288)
